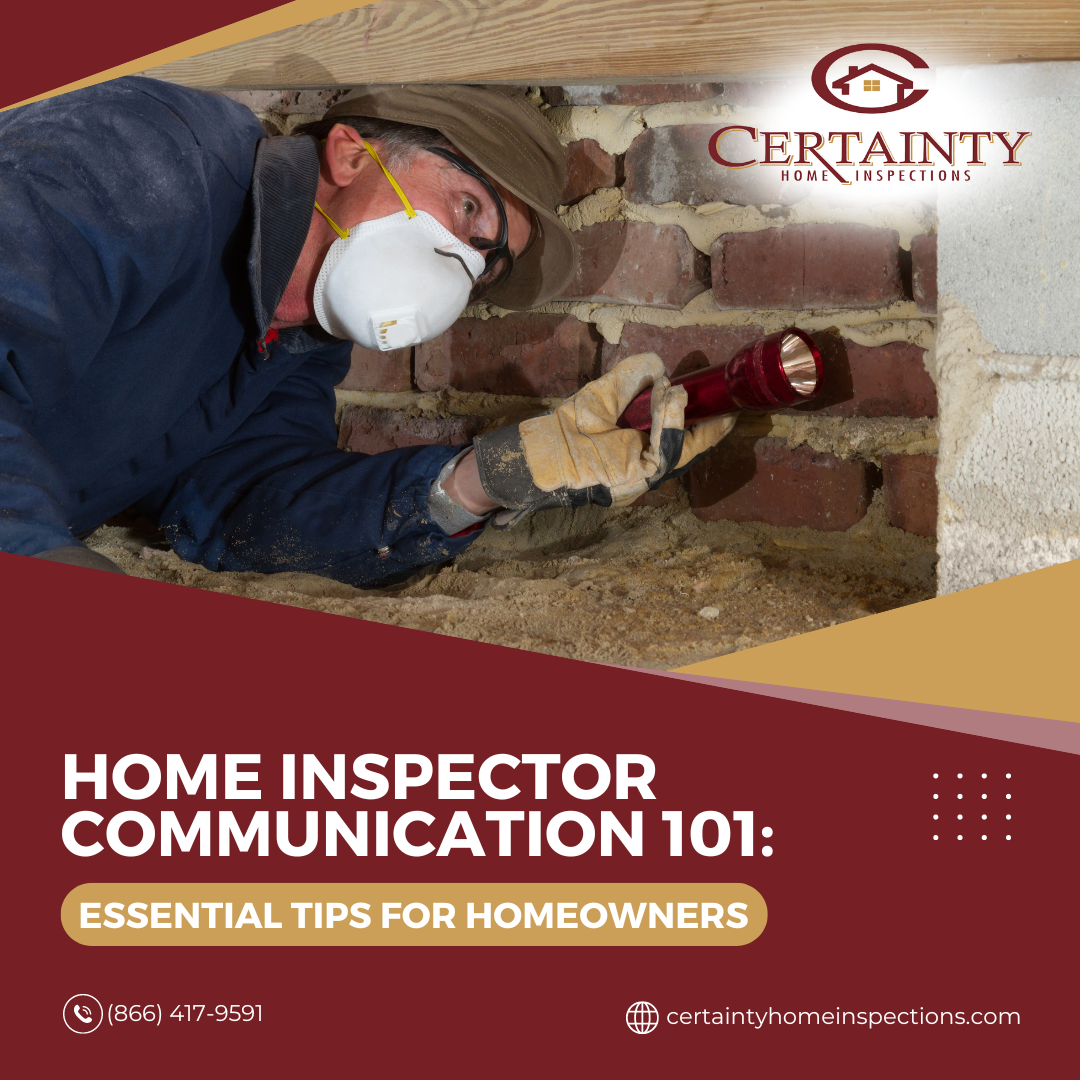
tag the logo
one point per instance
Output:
(83, 1013)
(868, 81)
(642, 1017)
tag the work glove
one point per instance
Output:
(576, 454)
(80, 555)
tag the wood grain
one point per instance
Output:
(605, 41)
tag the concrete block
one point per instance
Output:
(1009, 461)
(1007, 357)
(1007, 241)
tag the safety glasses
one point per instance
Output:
(498, 258)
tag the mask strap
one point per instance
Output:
(343, 233)
(409, 211)
(386, 172)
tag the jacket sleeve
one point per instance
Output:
(56, 305)
(88, 230)
(33, 496)
(280, 495)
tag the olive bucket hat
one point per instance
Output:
(506, 136)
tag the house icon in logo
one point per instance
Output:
(872, 77)
(872, 84)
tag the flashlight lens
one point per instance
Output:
(798, 363)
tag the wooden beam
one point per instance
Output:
(607, 41)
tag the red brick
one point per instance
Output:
(764, 92)
(365, 430)
(683, 349)
(885, 380)
(924, 272)
(530, 355)
(632, 262)
(642, 94)
(588, 167)
(762, 480)
(807, 266)
(911, 495)
(374, 370)
(672, 164)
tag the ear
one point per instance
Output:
(345, 155)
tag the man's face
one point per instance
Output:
(460, 202)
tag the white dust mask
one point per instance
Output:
(394, 281)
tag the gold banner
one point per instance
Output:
(382, 913)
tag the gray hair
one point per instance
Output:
(398, 143)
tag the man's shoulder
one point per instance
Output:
(199, 109)
(157, 152)
(126, 109)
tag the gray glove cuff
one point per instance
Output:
(450, 516)
(79, 555)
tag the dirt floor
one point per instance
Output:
(645, 587)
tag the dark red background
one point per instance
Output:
(866, 911)
(46, 46)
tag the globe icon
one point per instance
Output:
(642, 1017)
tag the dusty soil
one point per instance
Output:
(646, 587)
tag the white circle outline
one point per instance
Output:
(648, 1030)
(82, 1031)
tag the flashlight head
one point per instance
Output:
(774, 372)
(799, 365)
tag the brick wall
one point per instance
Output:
(681, 257)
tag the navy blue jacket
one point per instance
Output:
(147, 233)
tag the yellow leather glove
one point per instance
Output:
(576, 454)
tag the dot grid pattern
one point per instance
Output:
(984, 796)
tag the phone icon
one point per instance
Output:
(83, 1013)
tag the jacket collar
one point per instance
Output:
(284, 185)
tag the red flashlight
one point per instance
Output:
(772, 373)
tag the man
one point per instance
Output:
(177, 295)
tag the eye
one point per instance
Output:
(469, 206)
